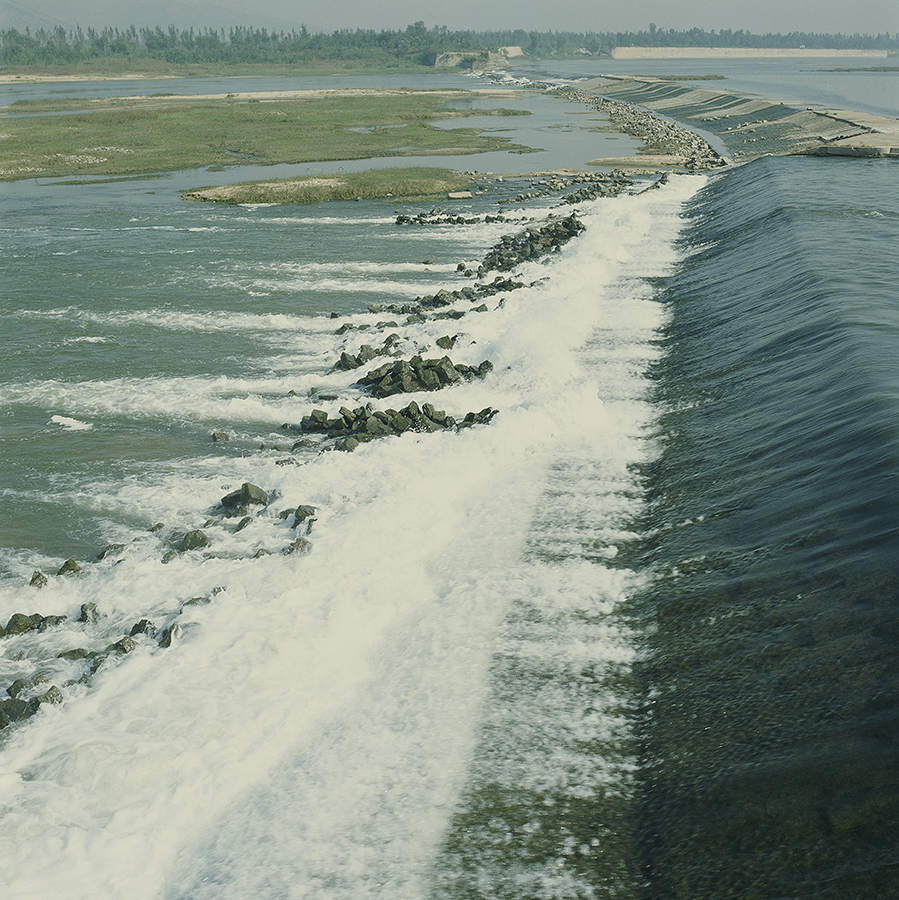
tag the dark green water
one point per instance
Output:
(771, 676)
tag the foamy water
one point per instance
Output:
(322, 720)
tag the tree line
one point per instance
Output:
(414, 45)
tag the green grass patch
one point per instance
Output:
(129, 136)
(407, 183)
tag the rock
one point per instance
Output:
(346, 362)
(19, 623)
(12, 711)
(38, 579)
(51, 622)
(16, 688)
(220, 437)
(89, 613)
(302, 513)
(144, 626)
(69, 567)
(125, 645)
(459, 195)
(248, 494)
(261, 552)
(169, 556)
(74, 654)
(300, 545)
(170, 636)
(109, 549)
(193, 540)
(53, 695)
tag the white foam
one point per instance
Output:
(69, 423)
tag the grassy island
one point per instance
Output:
(407, 183)
(132, 136)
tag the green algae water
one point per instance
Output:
(635, 638)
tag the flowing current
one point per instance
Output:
(633, 638)
(443, 678)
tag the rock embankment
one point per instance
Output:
(659, 136)
(417, 374)
(512, 250)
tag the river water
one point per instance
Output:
(634, 638)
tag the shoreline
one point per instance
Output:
(743, 53)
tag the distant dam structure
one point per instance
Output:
(740, 53)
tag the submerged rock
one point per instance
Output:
(89, 613)
(170, 636)
(125, 645)
(144, 626)
(300, 545)
(193, 540)
(38, 579)
(16, 688)
(53, 695)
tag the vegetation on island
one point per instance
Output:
(130, 136)
(401, 183)
(157, 49)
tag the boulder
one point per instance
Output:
(38, 579)
(89, 613)
(12, 711)
(16, 688)
(69, 567)
(302, 513)
(170, 636)
(109, 549)
(144, 626)
(249, 494)
(125, 645)
(193, 540)
(19, 623)
(53, 695)
(74, 654)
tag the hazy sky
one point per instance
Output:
(863, 16)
